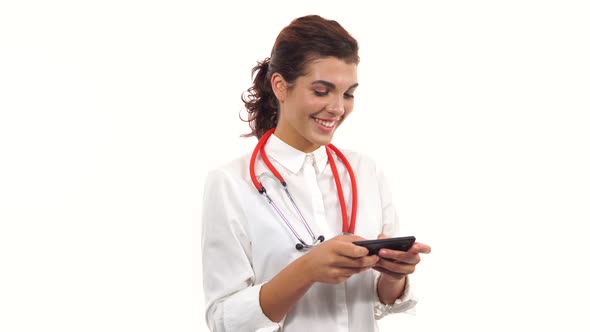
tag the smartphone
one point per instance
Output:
(402, 243)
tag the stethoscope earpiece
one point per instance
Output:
(299, 246)
(321, 238)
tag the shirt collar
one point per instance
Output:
(291, 158)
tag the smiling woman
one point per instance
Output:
(305, 41)
(254, 280)
(315, 104)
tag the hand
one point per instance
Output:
(335, 260)
(395, 265)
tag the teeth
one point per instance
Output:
(328, 124)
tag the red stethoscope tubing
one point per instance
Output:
(346, 227)
(350, 228)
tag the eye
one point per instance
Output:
(320, 93)
(349, 96)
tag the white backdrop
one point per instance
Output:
(112, 112)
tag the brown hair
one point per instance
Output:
(304, 39)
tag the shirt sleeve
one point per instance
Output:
(407, 302)
(231, 293)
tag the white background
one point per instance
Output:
(112, 112)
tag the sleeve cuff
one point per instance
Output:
(242, 312)
(406, 303)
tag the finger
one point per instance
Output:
(349, 249)
(420, 248)
(347, 271)
(349, 238)
(395, 267)
(401, 256)
(394, 275)
(362, 262)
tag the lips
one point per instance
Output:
(326, 123)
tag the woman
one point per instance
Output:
(265, 266)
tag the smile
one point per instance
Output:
(325, 123)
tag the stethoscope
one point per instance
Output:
(346, 228)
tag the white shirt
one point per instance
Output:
(245, 243)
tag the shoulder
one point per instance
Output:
(363, 163)
(230, 171)
(359, 159)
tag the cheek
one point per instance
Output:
(305, 109)
(315, 105)
(349, 106)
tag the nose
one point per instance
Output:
(336, 105)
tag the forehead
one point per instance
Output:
(330, 69)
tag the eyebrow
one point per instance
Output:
(331, 85)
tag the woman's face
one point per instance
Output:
(316, 103)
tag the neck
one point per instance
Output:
(296, 141)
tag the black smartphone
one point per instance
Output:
(402, 243)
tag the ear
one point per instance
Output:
(279, 86)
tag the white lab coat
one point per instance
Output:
(245, 243)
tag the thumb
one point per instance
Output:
(420, 248)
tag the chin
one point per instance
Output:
(322, 139)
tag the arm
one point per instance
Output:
(392, 283)
(395, 267)
(235, 300)
(333, 262)
(229, 283)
